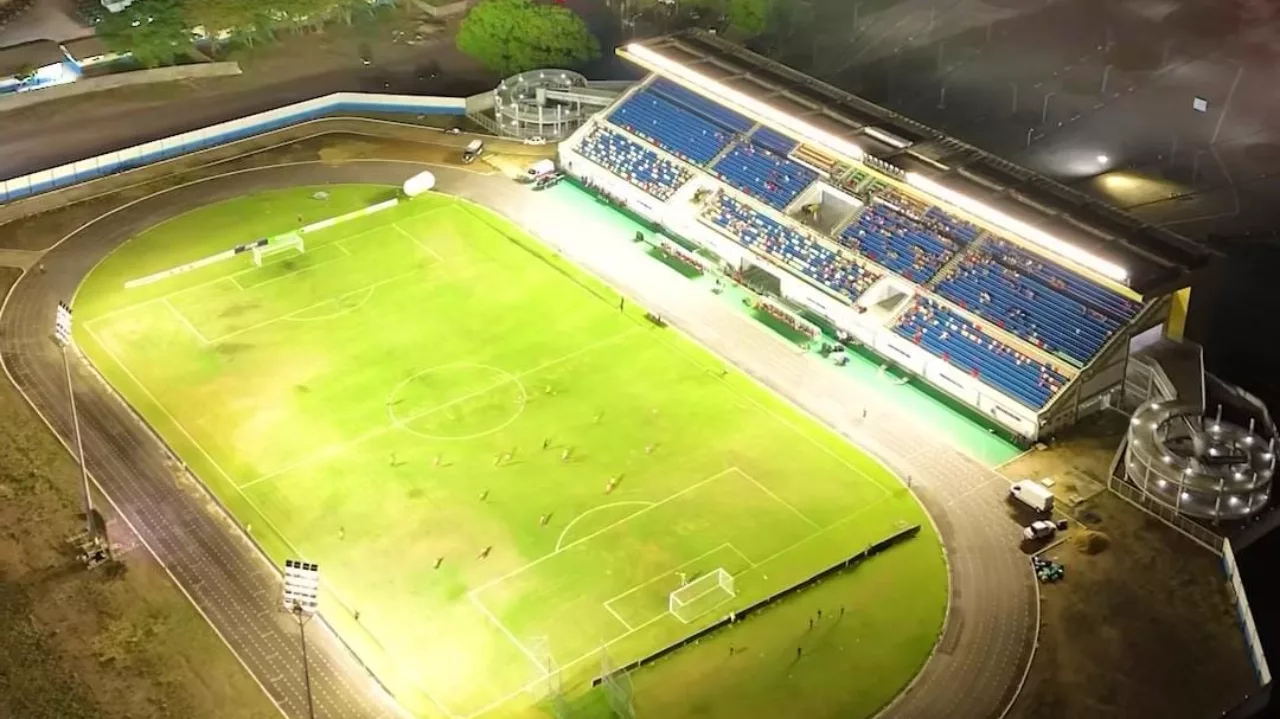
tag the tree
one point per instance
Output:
(748, 18)
(155, 31)
(245, 19)
(511, 36)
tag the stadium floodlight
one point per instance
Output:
(1018, 228)
(302, 600)
(696, 598)
(782, 121)
(62, 335)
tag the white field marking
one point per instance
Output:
(344, 311)
(510, 636)
(235, 276)
(321, 303)
(185, 322)
(781, 501)
(507, 378)
(602, 530)
(564, 532)
(617, 616)
(199, 447)
(333, 450)
(662, 575)
(417, 242)
(781, 420)
(821, 531)
(591, 655)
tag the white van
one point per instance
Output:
(539, 169)
(474, 149)
(1033, 494)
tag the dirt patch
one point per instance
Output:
(1151, 607)
(118, 643)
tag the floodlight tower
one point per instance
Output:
(302, 599)
(62, 335)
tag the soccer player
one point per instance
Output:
(439, 561)
(485, 552)
(544, 519)
(342, 533)
(546, 443)
(564, 456)
(484, 496)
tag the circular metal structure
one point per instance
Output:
(1199, 466)
(540, 103)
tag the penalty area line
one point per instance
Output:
(507, 632)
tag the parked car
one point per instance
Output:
(535, 140)
(1043, 529)
(546, 181)
(474, 149)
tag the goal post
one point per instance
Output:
(291, 242)
(701, 595)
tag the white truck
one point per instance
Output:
(474, 150)
(541, 168)
(1033, 494)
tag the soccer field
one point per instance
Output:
(497, 468)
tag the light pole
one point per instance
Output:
(302, 599)
(62, 335)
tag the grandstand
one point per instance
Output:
(1015, 296)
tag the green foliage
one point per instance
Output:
(748, 18)
(155, 31)
(511, 36)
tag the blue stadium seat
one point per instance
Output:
(709, 109)
(1028, 306)
(1065, 281)
(790, 247)
(915, 248)
(773, 140)
(676, 130)
(763, 174)
(633, 162)
(963, 345)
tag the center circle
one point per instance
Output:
(457, 401)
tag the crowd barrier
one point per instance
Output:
(754, 608)
(201, 139)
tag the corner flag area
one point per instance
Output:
(502, 467)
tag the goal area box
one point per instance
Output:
(701, 595)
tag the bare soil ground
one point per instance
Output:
(120, 641)
(1144, 628)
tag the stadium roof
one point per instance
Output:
(1154, 260)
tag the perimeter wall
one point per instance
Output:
(170, 147)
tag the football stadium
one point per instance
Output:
(538, 481)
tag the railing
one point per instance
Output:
(174, 146)
(1166, 514)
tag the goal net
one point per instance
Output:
(701, 595)
(289, 243)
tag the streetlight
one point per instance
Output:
(302, 599)
(96, 548)
(1103, 159)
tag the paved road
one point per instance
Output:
(989, 637)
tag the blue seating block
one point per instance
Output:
(762, 174)
(707, 108)
(790, 247)
(633, 162)
(963, 345)
(774, 140)
(911, 248)
(1028, 308)
(676, 130)
(1065, 281)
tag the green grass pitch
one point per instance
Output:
(380, 404)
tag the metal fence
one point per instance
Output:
(1190, 529)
